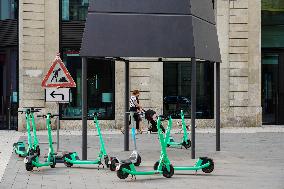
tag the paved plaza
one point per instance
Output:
(249, 159)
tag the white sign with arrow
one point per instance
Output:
(61, 95)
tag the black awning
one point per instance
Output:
(151, 28)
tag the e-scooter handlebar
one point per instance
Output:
(164, 117)
(29, 110)
(97, 114)
(51, 115)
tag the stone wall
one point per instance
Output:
(148, 78)
(239, 29)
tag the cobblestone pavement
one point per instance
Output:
(249, 159)
(7, 138)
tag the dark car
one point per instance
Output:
(176, 100)
(173, 105)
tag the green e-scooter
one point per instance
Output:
(164, 167)
(72, 158)
(32, 161)
(20, 147)
(186, 143)
(203, 163)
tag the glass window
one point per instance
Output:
(74, 9)
(100, 86)
(8, 9)
(177, 89)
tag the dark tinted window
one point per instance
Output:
(177, 89)
(74, 9)
(100, 86)
(8, 9)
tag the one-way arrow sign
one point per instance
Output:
(61, 95)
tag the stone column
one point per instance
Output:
(223, 37)
(239, 24)
(38, 44)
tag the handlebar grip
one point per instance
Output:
(54, 115)
(21, 111)
(44, 116)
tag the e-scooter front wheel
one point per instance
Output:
(121, 174)
(138, 161)
(66, 163)
(106, 158)
(53, 160)
(166, 173)
(186, 144)
(29, 166)
(156, 165)
(113, 163)
(29, 163)
(38, 151)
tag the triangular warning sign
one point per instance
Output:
(58, 75)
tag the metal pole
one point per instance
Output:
(9, 113)
(193, 106)
(84, 108)
(217, 110)
(57, 128)
(126, 117)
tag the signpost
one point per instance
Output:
(57, 83)
(61, 95)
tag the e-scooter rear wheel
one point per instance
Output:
(210, 168)
(67, 164)
(166, 173)
(121, 174)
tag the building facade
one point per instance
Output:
(251, 61)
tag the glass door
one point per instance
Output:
(8, 89)
(270, 64)
(2, 92)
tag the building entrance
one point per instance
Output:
(8, 89)
(273, 86)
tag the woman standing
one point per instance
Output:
(136, 107)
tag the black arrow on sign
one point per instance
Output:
(53, 95)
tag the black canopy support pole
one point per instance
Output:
(193, 106)
(217, 110)
(84, 108)
(126, 117)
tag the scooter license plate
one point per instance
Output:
(26, 160)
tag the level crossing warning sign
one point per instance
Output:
(58, 75)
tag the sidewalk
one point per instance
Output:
(7, 138)
(251, 158)
(263, 129)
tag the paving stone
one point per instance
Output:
(247, 160)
